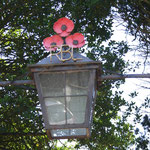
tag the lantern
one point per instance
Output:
(67, 91)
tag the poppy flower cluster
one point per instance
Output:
(63, 28)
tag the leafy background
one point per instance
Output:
(24, 25)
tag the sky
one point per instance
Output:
(132, 85)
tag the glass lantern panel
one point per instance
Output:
(56, 111)
(69, 110)
(52, 84)
(80, 131)
(68, 132)
(76, 109)
(77, 83)
(65, 95)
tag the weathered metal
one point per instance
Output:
(122, 76)
(56, 66)
(100, 78)
(17, 82)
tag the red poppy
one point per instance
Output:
(76, 40)
(52, 41)
(63, 26)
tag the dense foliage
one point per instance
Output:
(136, 15)
(23, 26)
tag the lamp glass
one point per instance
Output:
(65, 95)
(68, 132)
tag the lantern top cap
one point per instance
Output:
(55, 61)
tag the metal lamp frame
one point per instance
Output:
(93, 67)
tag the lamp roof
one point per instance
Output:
(55, 60)
(56, 65)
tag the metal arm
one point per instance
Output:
(17, 82)
(101, 78)
(123, 76)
